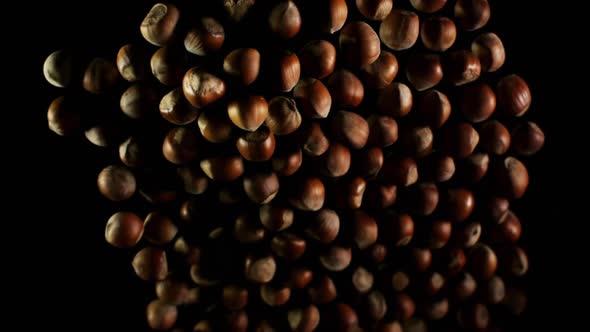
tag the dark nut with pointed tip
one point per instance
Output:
(336, 258)
(287, 160)
(400, 29)
(176, 109)
(116, 183)
(193, 179)
(365, 230)
(139, 101)
(313, 140)
(247, 229)
(336, 161)
(276, 218)
(439, 233)
(274, 295)
(424, 71)
(284, 72)
(514, 95)
(159, 229)
(124, 230)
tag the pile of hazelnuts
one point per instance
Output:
(312, 165)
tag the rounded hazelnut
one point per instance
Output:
(374, 9)
(308, 194)
(258, 145)
(100, 76)
(402, 171)
(495, 138)
(440, 233)
(381, 73)
(318, 59)
(472, 14)
(124, 230)
(395, 100)
(428, 6)
(151, 264)
(284, 19)
(132, 63)
(383, 130)
(305, 319)
(176, 109)
(116, 183)
(168, 65)
(335, 162)
(488, 47)
(324, 226)
(58, 68)
(313, 140)
(362, 279)
(244, 64)
(350, 128)
(159, 24)
(462, 67)
(288, 246)
(359, 43)
(234, 297)
(194, 181)
(434, 108)
(206, 38)
(138, 101)
(438, 33)
(336, 258)
(285, 71)
(261, 188)
(276, 218)
(365, 230)
(424, 71)
(458, 204)
(459, 140)
(482, 261)
(180, 145)
(215, 126)
(260, 270)
(313, 98)
(512, 178)
(287, 160)
(159, 229)
(514, 96)
(223, 168)
(346, 89)
(332, 15)
(283, 116)
(201, 88)
(161, 315)
(275, 296)
(248, 113)
(400, 29)
(528, 138)
(62, 117)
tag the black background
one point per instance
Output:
(75, 280)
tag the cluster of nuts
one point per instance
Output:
(312, 165)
